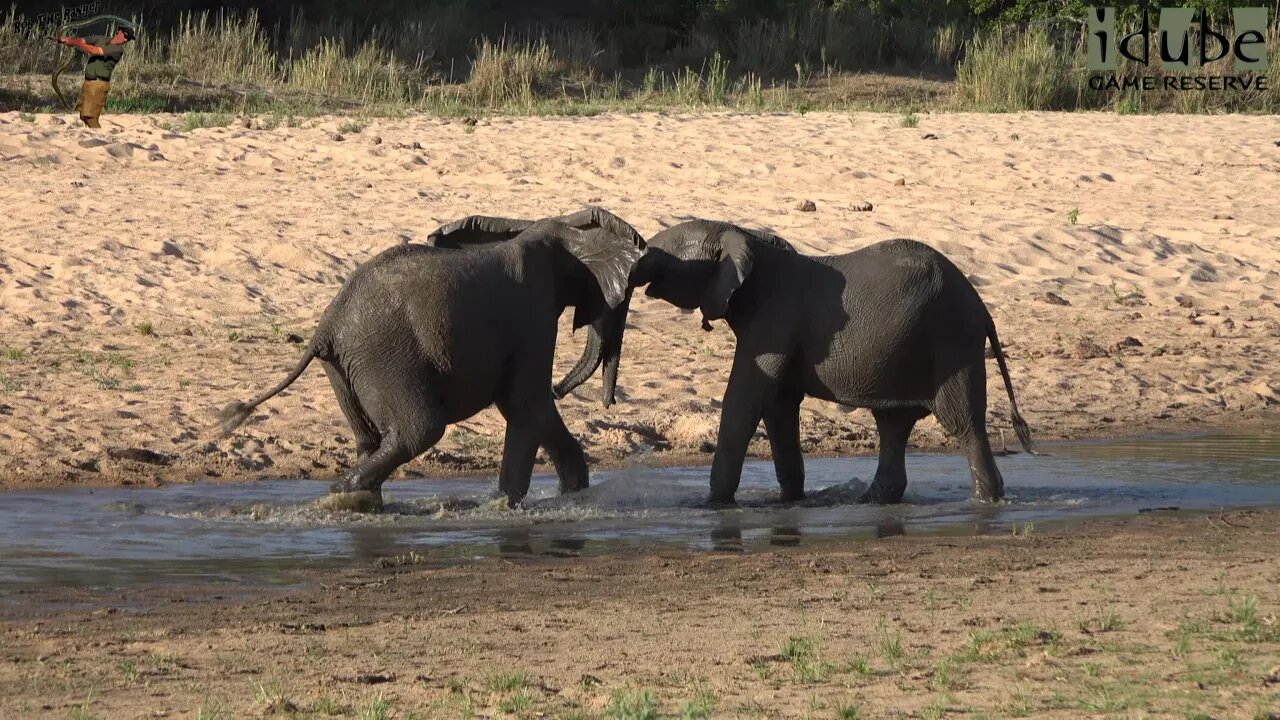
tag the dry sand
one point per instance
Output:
(1160, 235)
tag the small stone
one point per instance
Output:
(470, 122)
(294, 339)
(1223, 216)
(861, 207)
(1186, 302)
(377, 139)
(1087, 349)
(246, 122)
(1128, 342)
(928, 136)
(900, 182)
(173, 249)
(1054, 299)
(807, 206)
(416, 145)
(336, 137)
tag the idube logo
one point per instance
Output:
(1185, 40)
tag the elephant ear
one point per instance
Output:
(732, 268)
(476, 230)
(597, 217)
(610, 259)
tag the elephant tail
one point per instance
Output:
(237, 412)
(1019, 425)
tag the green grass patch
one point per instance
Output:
(508, 681)
(632, 705)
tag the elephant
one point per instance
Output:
(894, 327)
(426, 335)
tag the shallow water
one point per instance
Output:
(259, 533)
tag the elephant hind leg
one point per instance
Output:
(408, 422)
(961, 407)
(368, 438)
(894, 427)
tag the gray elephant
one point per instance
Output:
(420, 337)
(894, 327)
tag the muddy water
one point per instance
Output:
(261, 533)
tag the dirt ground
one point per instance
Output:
(1150, 616)
(151, 273)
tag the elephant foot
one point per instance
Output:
(720, 501)
(878, 494)
(792, 495)
(359, 501)
(573, 487)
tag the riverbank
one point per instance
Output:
(1163, 614)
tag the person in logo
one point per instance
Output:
(102, 53)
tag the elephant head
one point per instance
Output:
(608, 248)
(700, 264)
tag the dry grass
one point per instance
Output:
(229, 62)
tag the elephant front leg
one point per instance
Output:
(749, 389)
(782, 423)
(566, 454)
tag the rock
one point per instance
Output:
(246, 122)
(294, 338)
(928, 136)
(336, 137)
(807, 206)
(1223, 216)
(377, 140)
(1128, 342)
(1054, 299)
(1186, 302)
(173, 249)
(900, 182)
(861, 207)
(416, 145)
(1087, 349)
(141, 455)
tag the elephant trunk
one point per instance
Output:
(604, 345)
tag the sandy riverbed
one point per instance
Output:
(1158, 238)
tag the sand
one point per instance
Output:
(1153, 616)
(150, 275)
